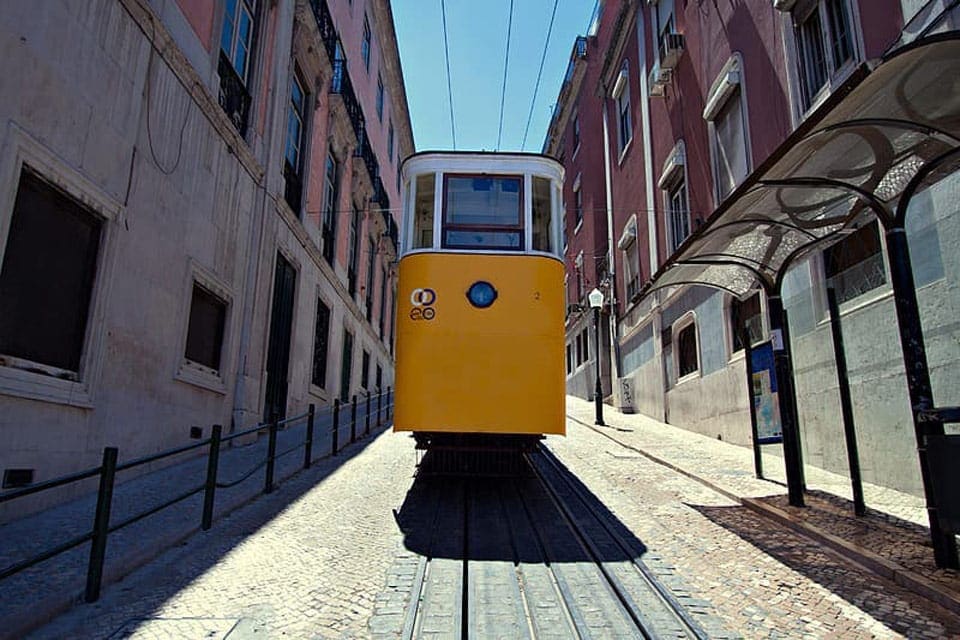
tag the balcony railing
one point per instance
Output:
(341, 85)
(392, 232)
(365, 152)
(328, 32)
(233, 97)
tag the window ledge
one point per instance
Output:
(577, 228)
(200, 376)
(46, 388)
(694, 375)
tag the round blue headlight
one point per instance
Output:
(481, 294)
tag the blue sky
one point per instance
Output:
(477, 38)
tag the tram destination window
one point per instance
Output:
(483, 212)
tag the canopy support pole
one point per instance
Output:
(918, 384)
(788, 401)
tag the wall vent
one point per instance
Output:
(16, 478)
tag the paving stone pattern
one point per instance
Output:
(307, 561)
(765, 580)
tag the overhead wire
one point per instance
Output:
(446, 53)
(506, 62)
(536, 87)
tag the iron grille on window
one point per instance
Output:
(233, 96)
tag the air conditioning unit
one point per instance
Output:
(783, 5)
(671, 46)
(658, 80)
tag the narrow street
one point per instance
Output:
(326, 556)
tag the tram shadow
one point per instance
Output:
(523, 517)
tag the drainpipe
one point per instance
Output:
(614, 321)
(647, 144)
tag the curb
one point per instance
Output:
(848, 551)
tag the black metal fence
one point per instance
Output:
(108, 469)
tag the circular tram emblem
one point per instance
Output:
(422, 302)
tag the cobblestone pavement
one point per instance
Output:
(306, 561)
(765, 579)
(316, 557)
(34, 595)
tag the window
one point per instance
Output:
(569, 360)
(47, 277)
(423, 212)
(208, 315)
(390, 145)
(365, 371)
(677, 212)
(579, 350)
(365, 44)
(728, 130)
(576, 132)
(631, 270)
(379, 376)
(855, 265)
(346, 366)
(383, 300)
(541, 215)
(380, 98)
(585, 336)
(321, 335)
(330, 196)
(824, 44)
(577, 206)
(293, 154)
(580, 276)
(483, 212)
(621, 93)
(371, 257)
(234, 62)
(237, 35)
(353, 266)
(687, 357)
(746, 314)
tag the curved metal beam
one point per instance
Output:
(766, 221)
(883, 212)
(896, 123)
(658, 287)
(910, 190)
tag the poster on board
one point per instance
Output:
(766, 400)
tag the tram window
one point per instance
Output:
(483, 212)
(541, 215)
(423, 212)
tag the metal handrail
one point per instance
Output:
(108, 469)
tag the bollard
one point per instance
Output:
(336, 424)
(271, 455)
(210, 489)
(101, 524)
(367, 430)
(308, 445)
(353, 419)
(379, 409)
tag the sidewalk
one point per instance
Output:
(892, 539)
(35, 595)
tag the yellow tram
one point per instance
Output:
(480, 305)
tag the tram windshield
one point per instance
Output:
(483, 212)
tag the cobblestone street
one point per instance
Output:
(324, 553)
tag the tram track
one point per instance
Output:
(533, 557)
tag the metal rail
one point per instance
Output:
(683, 616)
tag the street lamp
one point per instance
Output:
(596, 302)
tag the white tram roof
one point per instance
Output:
(482, 162)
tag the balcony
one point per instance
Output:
(670, 47)
(328, 32)
(233, 96)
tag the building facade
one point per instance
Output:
(694, 98)
(198, 221)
